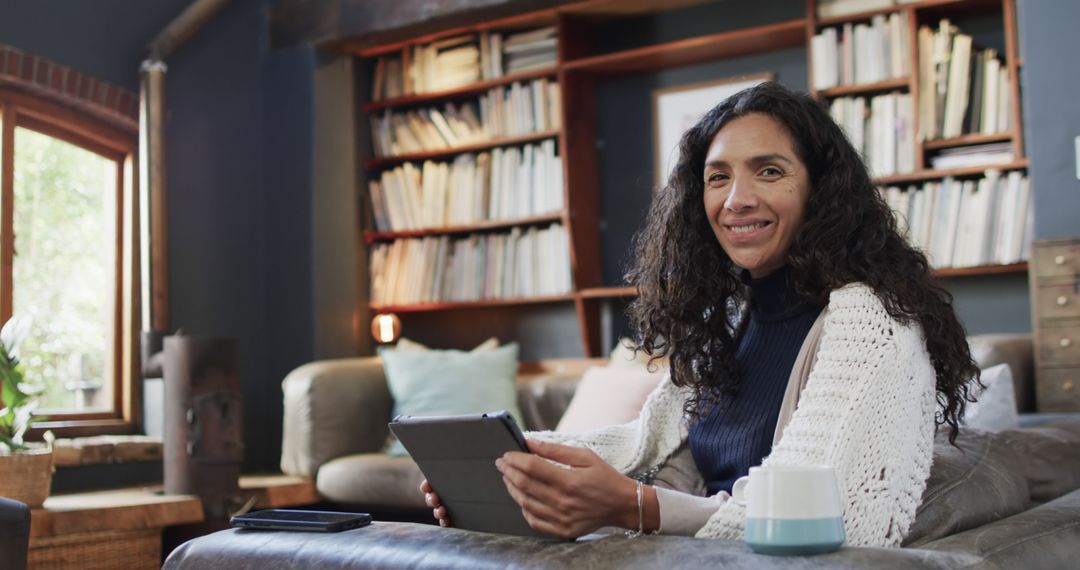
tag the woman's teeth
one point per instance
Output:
(749, 228)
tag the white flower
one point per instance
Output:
(14, 332)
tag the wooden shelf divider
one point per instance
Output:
(981, 270)
(865, 88)
(457, 92)
(695, 50)
(482, 303)
(971, 139)
(385, 161)
(607, 292)
(955, 172)
(371, 237)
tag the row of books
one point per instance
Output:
(885, 136)
(516, 109)
(973, 155)
(520, 52)
(962, 90)
(519, 263)
(967, 223)
(461, 60)
(837, 8)
(505, 183)
(855, 54)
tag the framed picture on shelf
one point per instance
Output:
(678, 108)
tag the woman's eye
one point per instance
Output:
(717, 177)
(770, 171)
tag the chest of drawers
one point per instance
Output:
(1055, 292)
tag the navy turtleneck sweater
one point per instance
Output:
(731, 439)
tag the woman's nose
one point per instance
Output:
(740, 197)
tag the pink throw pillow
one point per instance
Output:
(607, 396)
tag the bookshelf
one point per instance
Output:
(932, 35)
(580, 68)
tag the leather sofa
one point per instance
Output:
(997, 500)
(14, 534)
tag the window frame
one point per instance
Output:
(121, 146)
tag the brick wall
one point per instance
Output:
(68, 87)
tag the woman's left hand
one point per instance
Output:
(568, 502)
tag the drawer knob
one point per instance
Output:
(1060, 260)
(1065, 342)
(1067, 385)
(1062, 300)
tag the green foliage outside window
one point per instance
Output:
(64, 268)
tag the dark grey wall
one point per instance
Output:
(105, 38)
(1049, 43)
(240, 206)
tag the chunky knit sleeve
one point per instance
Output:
(867, 410)
(630, 448)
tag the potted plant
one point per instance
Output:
(25, 469)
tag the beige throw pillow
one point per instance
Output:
(608, 395)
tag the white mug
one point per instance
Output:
(791, 510)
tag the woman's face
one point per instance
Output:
(756, 189)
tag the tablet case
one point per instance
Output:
(457, 455)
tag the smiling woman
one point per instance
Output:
(801, 329)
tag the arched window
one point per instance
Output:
(68, 256)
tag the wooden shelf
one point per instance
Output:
(955, 172)
(385, 161)
(967, 140)
(472, 304)
(607, 292)
(371, 237)
(865, 88)
(457, 92)
(695, 50)
(1021, 267)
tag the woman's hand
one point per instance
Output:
(432, 500)
(570, 501)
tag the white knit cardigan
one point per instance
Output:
(867, 410)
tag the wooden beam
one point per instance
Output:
(194, 17)
(153, 179)
(7, 210)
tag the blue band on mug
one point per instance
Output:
(794, 536)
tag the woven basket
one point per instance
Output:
(26, 476)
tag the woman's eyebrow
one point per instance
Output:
(754, 160)
(766, 158)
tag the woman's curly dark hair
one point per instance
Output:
(690, 296)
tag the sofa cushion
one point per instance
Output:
(971, 484)
(373, 480)
(1014, 350)
(544, 398)
(451, 382)
(1051, 457)
(995, 406)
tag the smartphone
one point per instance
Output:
(316, 521)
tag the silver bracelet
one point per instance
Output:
(640, 513)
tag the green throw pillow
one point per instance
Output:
(451, 382)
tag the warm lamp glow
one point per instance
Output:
(386, 328)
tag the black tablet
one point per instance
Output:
(457, 456)
(317, 521)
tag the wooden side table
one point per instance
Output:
(122, 529)
(106, 529)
